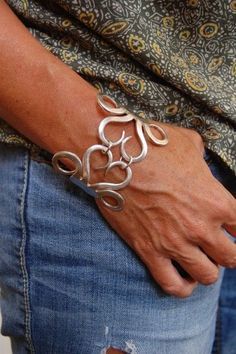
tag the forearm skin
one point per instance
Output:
(40, 96)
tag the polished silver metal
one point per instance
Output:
(122, 115)
(81, 173)
(117, 197)
(86, 159)
(77, 171)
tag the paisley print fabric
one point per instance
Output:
(173, 61)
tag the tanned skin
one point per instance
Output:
(175, 208)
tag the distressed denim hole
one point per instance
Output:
(114, 351)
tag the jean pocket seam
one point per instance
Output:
(22, 254)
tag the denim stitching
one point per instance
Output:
(22, 257)
(217, 347)
(219, 329)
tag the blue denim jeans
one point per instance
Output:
(225, 337)
(70, 285)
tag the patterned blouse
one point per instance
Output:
(173, 61)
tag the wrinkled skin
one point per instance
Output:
(175, 208)
(178, 210)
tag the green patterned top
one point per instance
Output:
(173, 61)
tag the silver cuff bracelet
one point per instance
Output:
(81, 175)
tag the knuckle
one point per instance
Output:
(222, 207)
(198, 231)
(204, 237)
(222, 202)
(138, 244)
(187, 258)
(196, 137)
(171, 245)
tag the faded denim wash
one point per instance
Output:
(70, 285)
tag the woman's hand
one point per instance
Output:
(175, 210)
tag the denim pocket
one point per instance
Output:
(221, 171)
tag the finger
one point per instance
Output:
(229, 216)
(169, 279)
(225, 208)
(198, 265)
(221, 249)
(227, 203)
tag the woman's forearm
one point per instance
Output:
(162, 219)
(40, 96)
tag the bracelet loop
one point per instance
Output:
(80, 175)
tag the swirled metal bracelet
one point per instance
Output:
(81, 174)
